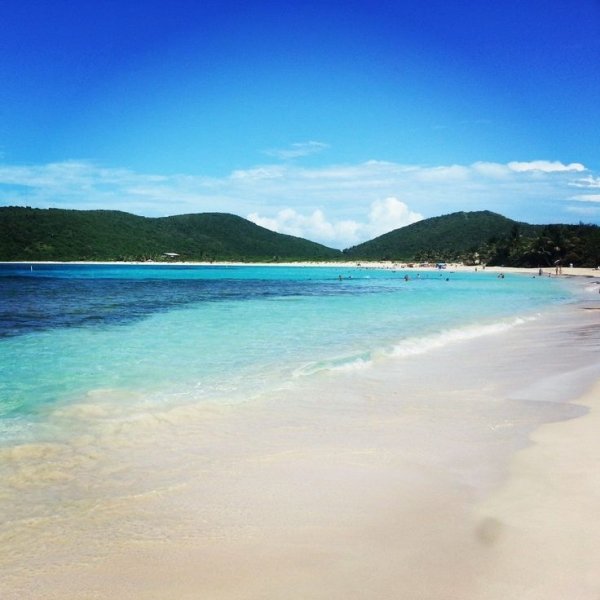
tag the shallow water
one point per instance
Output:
(227, 332)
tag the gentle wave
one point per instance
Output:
(344, 363)
(412, 346)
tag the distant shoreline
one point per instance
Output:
(383, 265)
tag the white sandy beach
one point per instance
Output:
(476, 481)
(409, 269)
(544, 520)
(389, 265)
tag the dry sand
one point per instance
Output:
(544, 521)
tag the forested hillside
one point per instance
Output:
(448, 237)
(68, 235)
(470, 237)
(485, 237)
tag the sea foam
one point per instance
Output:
(416, 345)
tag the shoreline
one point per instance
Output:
(589, 272)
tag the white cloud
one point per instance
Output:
(313, 226)
(297, 150)
(383, 216)
(266, 172)
(445, 173)
(336, 205)
(586, 198)
(391, 213)
(290, 222)
(492, 170)
(545, 166)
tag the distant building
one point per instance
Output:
(170, 254)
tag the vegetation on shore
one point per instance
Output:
(487, 238)
(449, 237)
(470, 237)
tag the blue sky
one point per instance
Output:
(336, 121)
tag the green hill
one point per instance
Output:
(68, 235)
(485, 237)
(446, 237)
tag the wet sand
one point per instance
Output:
(470, 472)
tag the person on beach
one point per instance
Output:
(557, 267)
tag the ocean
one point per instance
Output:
(211, 333)
(123, 386)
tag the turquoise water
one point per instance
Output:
(161, 335)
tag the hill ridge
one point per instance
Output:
(484, 237)
(56, 234)
(67, 235)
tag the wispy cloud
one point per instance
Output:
(586, 204)
(586, 182)
(297, 150)
(545, 166)
(586, 198)
(338, 205)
